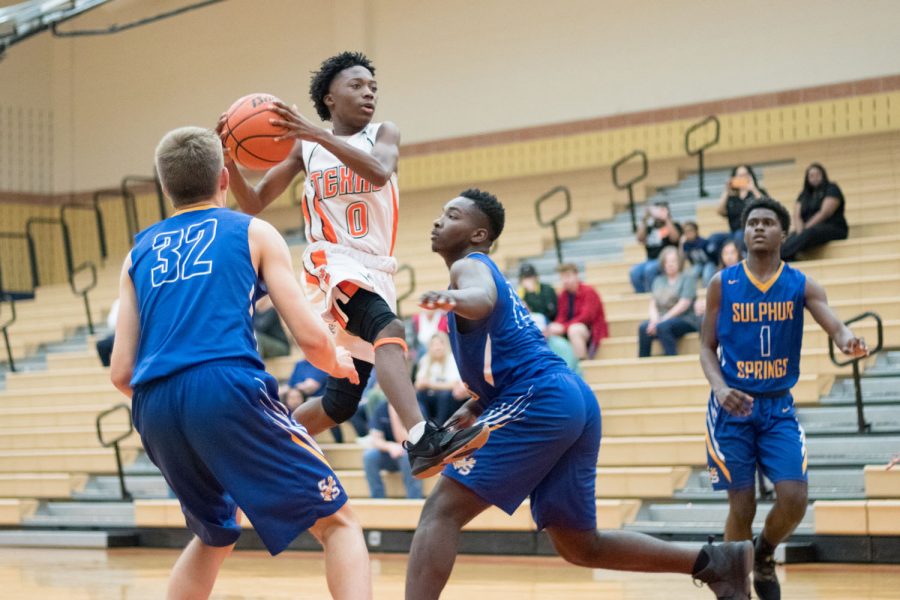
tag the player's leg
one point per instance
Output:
(449, 507)
(564, 505)
(782, 457)
(731, 450)
(337, 404)
(346, 557)
(580, 337)
(209, 511)
(195, 571)
(741, 511)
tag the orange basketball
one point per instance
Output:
(250, 137)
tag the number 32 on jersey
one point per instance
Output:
(179, 253)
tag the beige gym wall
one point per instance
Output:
(446, 68)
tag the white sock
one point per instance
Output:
(416, 432)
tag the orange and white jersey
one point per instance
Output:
(341, 207)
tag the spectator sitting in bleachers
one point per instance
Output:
(694, 249)
(558, 344)
(540, 298)
(307, 379)
(818, 214)
(425, 324)
(580, 316)
(729, 256)
(386, 436)
(655, 231)
(271, 341)
(438, 384)
(741, 188)
(671, 314)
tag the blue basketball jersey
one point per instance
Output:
(760, 329)
(504, 349)
(196, 286)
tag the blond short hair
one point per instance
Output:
(189, 162)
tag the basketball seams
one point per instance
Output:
(240, 145)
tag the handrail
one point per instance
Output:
(32, 258)
(5, 326)
(83, 292)
(126, 495)
(699, 151)
(98, 195)
(412, 284)
(567, 196)
(629, 185)
(94, 208)
(131, 216)
(862, 425)
(67, 242)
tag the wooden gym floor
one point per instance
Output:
(137, 574)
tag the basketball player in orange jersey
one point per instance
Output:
(350, 211)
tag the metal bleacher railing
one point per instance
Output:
(862, 425)
(78, 287)
(698, 152)
(629, 184)
(114, 442)
(553, 220)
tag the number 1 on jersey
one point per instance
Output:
(765, 340)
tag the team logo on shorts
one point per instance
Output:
(464, 466)
(713, 475)
(329, 489)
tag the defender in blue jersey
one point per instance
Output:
(545, 430)
(750, 352)
(207, 412)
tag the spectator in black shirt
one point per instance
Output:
(656, 231)
(539, 297)
(741, 187)
(818, 214)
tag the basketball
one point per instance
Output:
(250, 137)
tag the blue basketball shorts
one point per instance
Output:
(222, 441)
(770, 437)
(545, 437)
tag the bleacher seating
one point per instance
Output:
(653, 447)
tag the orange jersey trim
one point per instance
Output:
(396, 205)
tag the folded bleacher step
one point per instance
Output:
(32, 538)
(883, 417)
(699, 517)
(82, 514)
(824, 484)
(106, 487)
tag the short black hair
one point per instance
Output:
(320, 82)
(784, 217)
(691, 224)
(488, 204)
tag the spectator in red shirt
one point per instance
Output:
(579, 315)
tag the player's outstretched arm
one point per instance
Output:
(817, 304)
(375, 167)
(473, 294)
(273, 261)
(253, 200)
(734, 401)
(128, 333)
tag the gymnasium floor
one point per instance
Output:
(132, 574)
